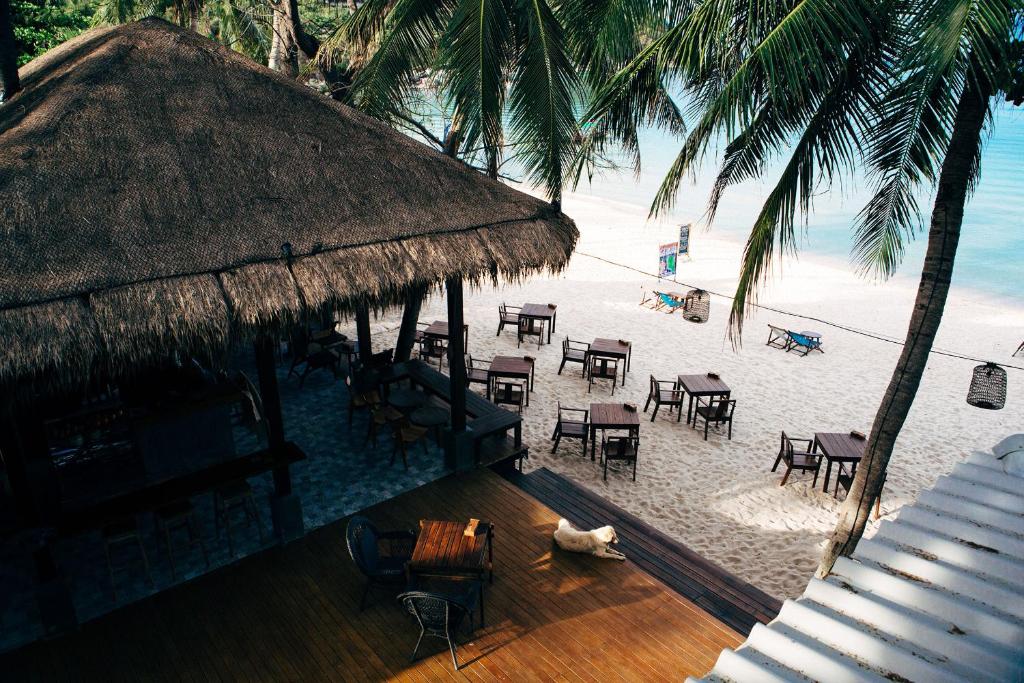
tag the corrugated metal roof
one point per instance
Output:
(936, 595)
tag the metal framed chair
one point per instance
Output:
(124, 532)
(440, 615)
(381, 569)
(180, 514)
(236, 495)
(569, 426)
(672, 396)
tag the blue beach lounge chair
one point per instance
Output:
(807, 344)
(667, 301)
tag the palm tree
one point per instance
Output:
(513, 73)
(901, 89)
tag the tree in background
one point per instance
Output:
(511, 74)
(901, 89)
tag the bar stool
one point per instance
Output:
(119, 532)
(180, 514)
(237, 494)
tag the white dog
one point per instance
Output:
(594, 542)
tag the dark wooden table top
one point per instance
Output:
(836, 446)
(429, 416)
(441, 548)
(613, 414)
(702, 385)
(609, 347)
(406, 398)
(438, 328)
(537, 310)
(513, 366)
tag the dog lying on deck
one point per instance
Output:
(595, 542)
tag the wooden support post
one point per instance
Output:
(363, 331)
(407, 333)
(285, 506)
(456, 354)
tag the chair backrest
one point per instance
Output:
(654, 387)
(434, 612)
(604, 367)
(786, 447)
(669, 301)
(622, 446)
(584, 411)
(361, 538)
(724, 408)
(801, 340)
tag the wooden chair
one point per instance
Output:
(571, 428)
(802, 458)
(407, 434)
(620, 448)
(662, 396)
(574, 354)
(508, 315)
(509, 392)
(530, 327)
(432, 347)
(121, 532)
(475, 372)
(381, 415)
(844, 478)
(362, 393)
(717, 411)
(440, 615)
(311, 357)
(778, 337)
(236, 495)
(603, 368)
(180, 515)
(381, 569)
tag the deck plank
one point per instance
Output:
(292, 613)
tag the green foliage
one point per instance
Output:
(42, 24)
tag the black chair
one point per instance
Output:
(672, 396)
(382, 570)
(509, 392)
(311, 356)
(620, 448)
(475, 372)
(574, 354)
(804, 459)
(440, 615)
(508, 315)
(433, 347)
(571, 428)
(603, 368)
(530, 327)
(717, 411)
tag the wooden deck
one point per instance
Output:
(723, 595)
(292, 614)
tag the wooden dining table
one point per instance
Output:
(839, 448)
(515, 367)
(443, 550)
(611, 416)
(612, 348)
(702, 386)
(546, 312)
(439, 330)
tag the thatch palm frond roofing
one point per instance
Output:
(149, 179)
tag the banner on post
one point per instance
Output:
(667, 259)
(684, 239)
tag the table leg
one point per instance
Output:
(828, 472)
(593, 439)
(689, 409)
(490, 550)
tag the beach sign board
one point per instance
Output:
(667, 259)
(684, 239)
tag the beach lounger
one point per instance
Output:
(798, 341)
(778, 337)
(1019, 351)
(669, 303)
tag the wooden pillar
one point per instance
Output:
(285, 506)
(407, 333)
(14, 463)
(456, 354)
(363, 331)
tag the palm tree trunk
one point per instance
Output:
(9, 81)
(943, 235)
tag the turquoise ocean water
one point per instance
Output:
(990, 258)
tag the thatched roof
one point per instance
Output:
(149, 178)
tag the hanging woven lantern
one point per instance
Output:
(988, 387)
(697, 308)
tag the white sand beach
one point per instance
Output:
(719, 497)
